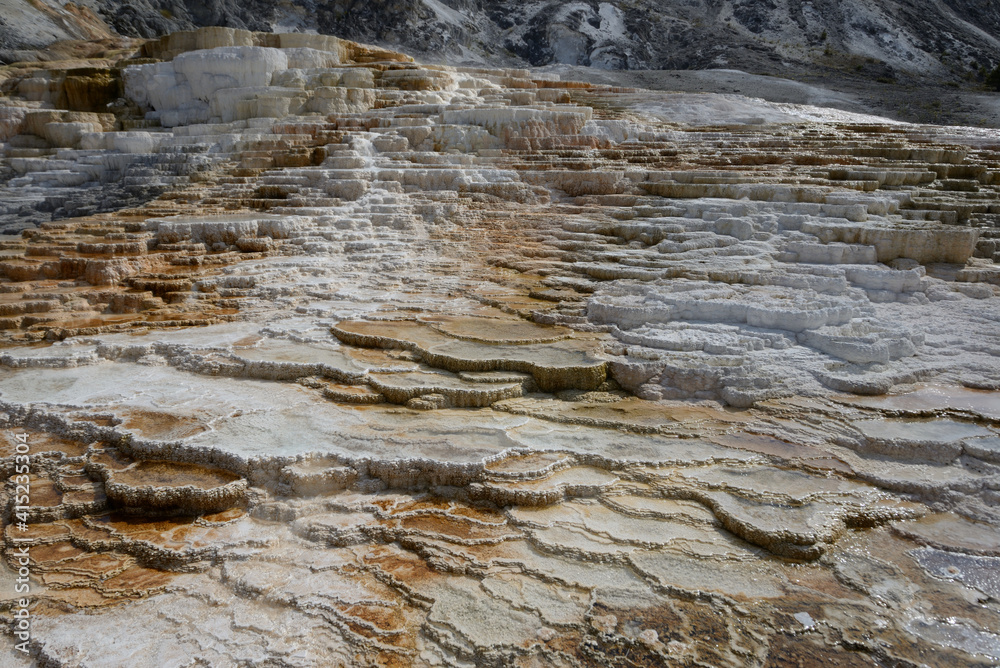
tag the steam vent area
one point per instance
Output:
(312, 355)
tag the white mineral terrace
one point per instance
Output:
(414, 365)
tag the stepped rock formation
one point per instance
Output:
(327, 357)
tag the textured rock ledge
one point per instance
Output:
(165, 486)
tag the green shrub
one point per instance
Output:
(993, 78)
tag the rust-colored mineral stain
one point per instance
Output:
(637, 413)
(708, 415)
(350, 390)
(526, 463)
(481, 514)
(40, 442)
(134, 525)
(111, 459)
(768, 445)
(44, 493)
(521, 303)
(51, 555)
(403, 566)
(81, 597)
(389, 660)
(97, 322)
(98, 420)
(207, 537)
(665, 620)
(393, 507)
(75, 480)
(499, 331)
(94, 565)
(247, 341)
(162, 426)
(438, 505)
(169, 474)
(225, 516)
(802, 651)
(66, 579)
(87, 532)
(156, 277)
(819, 585)
(829, 464)
(390, 625)
(137, 579)
(95, 495)
(453, 527)
(393, 333)
(377, 358)
(382, 616)
(933, 399)
(42, 532)
(7, 448)
(568, 643)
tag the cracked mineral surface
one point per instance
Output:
(324, 357)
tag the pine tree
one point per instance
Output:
(993, 79)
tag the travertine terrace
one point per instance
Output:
(326, 357)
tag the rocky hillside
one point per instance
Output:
(924, 61)
(943, 39)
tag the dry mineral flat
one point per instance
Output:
(329, 358)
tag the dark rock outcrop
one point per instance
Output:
(957, 40)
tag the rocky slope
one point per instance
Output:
(944, 40)
(921, 62)
(329, 357)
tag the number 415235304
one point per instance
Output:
(22, 466)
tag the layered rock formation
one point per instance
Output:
(327, 356)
